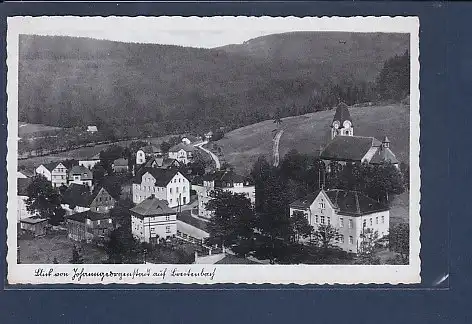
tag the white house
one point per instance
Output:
(165, 184)
(146, 152)
(186, 141)
(55, 172)
(152, 219)
(344, 147)
(182, 152)
(89, 163)
(80, 175)
(226, 181)
(20, 175)
(22, 196)
(350, 212)
(92, 129)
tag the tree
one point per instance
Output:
(325, 236)
(399, 241)
(393, 81)
(122, 247)
(300, 225)
(98, 172)
(259, 173)
(44, 200)
(165, 146)
(368, 248)
(76, 256)
(55, 261)
(232, 224)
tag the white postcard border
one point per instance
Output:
(212, 274)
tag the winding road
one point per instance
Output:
(213, 156)
(275, 148)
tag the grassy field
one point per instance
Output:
(26, 129)
(43, 250)
(81, 153)
(307, 133)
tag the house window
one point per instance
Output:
(185, 200)
(167, 218)
(350, 223)
(376, 220)
(370, 221)
(316, 219)
(167, 229)
(341, 222)
(170, 190)
(171, 200)
(153, 229)
(184, 188)
(364, 223)
(383, 219)
(329, 220)
(341, 239)
(177, 189)
(322, 220)
(351, 240)
(322, 205)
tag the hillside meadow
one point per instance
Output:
(306, 133)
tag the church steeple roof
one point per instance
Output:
(342, 114)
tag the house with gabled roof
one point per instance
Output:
(90, 162)
(350, 212)
(147, 152)
(182, 152)
(55, 172)
(226, 180)
(78, 198)
(120, 165)
(153, 219)
(165, 184)
(80, 175)
(344, 147)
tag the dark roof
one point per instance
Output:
(51, 165)
(161, 162)
(305, 202)
(151, 149)
(70, 163)
(162, 176)
(33, 220)
(27, 172)
(342, 114)
(224, 176)
(195, 222)
(23, 184)
(78, 195)
(84, 172)
(348, 148)
(354, 203)
(121, 162)
(93, 216)
(232, 259)
(152, 206)
(384, 154)
(180, 146)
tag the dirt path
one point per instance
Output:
(275, 149)
(213, 156)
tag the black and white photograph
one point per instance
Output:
(213, 150)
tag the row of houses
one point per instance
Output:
(183, 153)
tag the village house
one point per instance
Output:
(92, 129)
(350, 212)
(152, 219)
(89, 225)
(80, 175)
(25, 173)
(78, 198)
(89, 163)
(162, 163)
(182, 152)
(225, 180)
(165, 184)
(344, 147)
(208, 136)
(147, 152)
(35, 225)
(55, 172)
(22, 195)
(120, 165)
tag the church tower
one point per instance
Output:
(342, 122)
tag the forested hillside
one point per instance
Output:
(150, 89)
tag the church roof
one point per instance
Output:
(342, 114)
(348, 148)
(384, 154)
(152, 207)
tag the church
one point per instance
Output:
(344, 147)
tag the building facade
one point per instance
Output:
(90, 162)
(152, 220)
(120, 165)
(182, 152)
(88, 225)
(55, 172)
(350, 212)
(164, 184)
(147, 152)
(226, 181)
(22, 195)
(78, 198)
(80, 175)
(35, 225)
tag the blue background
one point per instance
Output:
(446, 91)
